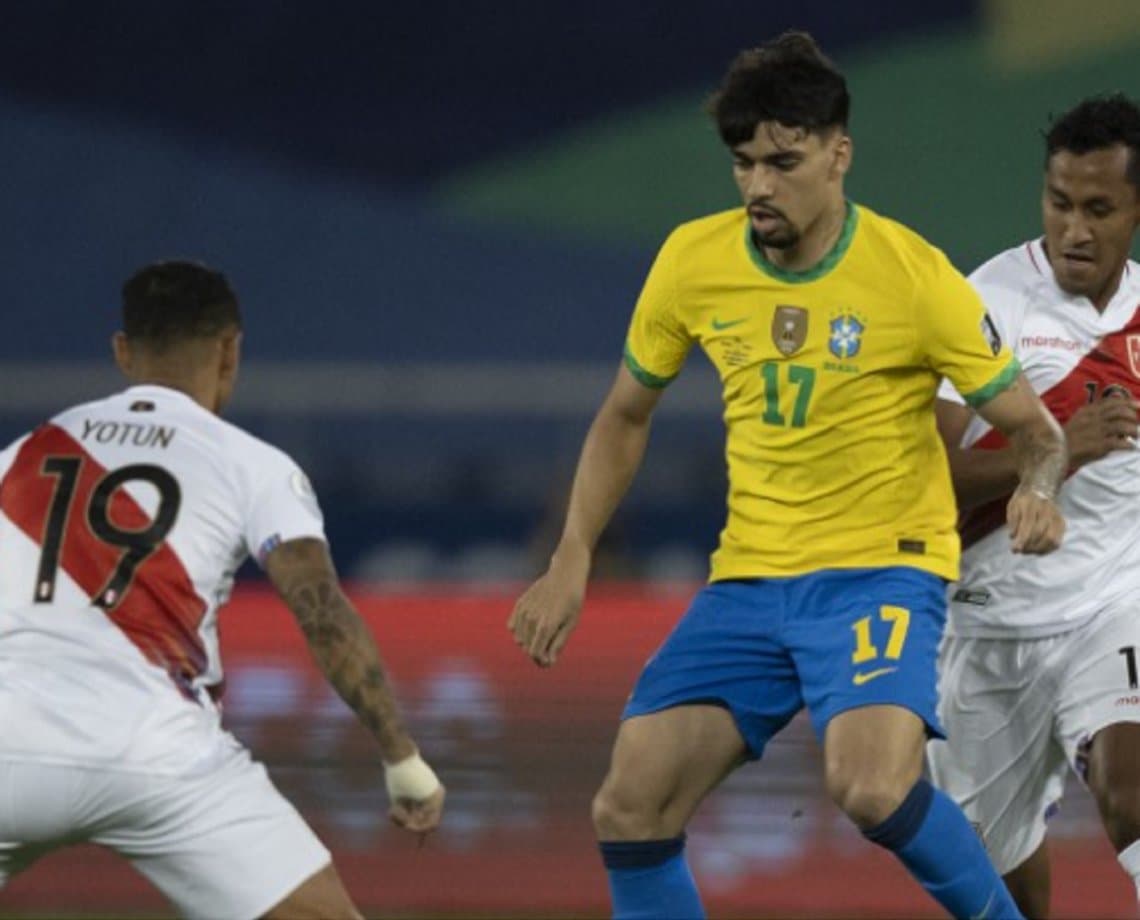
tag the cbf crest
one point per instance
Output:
(846, 334)
(789, 329)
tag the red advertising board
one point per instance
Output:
(522, 751)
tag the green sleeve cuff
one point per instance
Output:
(1001, 382)
(644, 377)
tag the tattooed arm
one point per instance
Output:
(1041, 457)
(1095, 430)
(303, 574)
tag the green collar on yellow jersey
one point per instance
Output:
(821, 268)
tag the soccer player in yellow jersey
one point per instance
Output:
(830, 327)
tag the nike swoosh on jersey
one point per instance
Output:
(859, 679)
(719, 326)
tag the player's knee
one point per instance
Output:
(868, 795)
(621, 812)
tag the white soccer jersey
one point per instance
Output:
(122, 523)
(1071, 354)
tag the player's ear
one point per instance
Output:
(842, 153)
(121, 348)
(229, 356)
(231, 352)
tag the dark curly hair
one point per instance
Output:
(170, 302)
(1097, 123)
(786, 80)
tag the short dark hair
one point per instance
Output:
(1097, 123)
(786, 80)
(166, 303)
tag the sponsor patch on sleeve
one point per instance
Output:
(269, 545)
(989, 330)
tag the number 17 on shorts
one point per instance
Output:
(876, 643)
(873, 661)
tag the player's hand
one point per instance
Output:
(415, 793)
(419, 816)
(1101, 427)
(1035, 522)
(548, 610)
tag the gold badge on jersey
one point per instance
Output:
(789, 329)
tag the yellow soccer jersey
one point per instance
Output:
(829, 378)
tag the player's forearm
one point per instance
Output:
(1042, 455)
(346, 652)
(611, 456)
(981, 476)
(302, 571)
(1038, 450)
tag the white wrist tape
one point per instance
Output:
(411, 778)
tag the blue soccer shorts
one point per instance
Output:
(832, 640)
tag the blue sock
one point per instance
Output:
(932, 838)
(650, 879)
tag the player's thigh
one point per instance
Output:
(40, 810)
(873, 750)
(999, 760)
(1101, 689)
(664, 763)
(727, 650)
(1031, 883)
(222, 842)
(1113, 772)
(322, 896)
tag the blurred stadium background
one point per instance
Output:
(437, 217)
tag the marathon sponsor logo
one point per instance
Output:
(1053, 341)
(124, 433)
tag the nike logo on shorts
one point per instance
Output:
(859, 679)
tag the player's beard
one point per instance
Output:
(783, 237)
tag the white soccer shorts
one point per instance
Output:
(220, 843)
(1019, 712)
